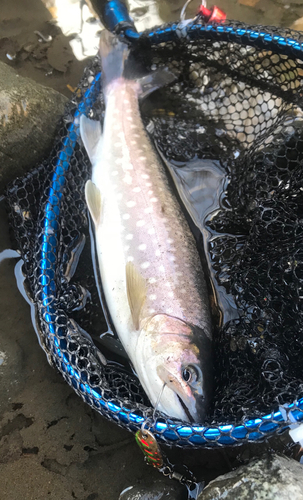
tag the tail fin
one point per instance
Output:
(113, 56)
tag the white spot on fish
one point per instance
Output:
(142, 247)
(154, 200)
(148, 184)
(150, 192)
(183, 290)
(130, 204)
(179, 273)
(172, 258)
(126, 101)
(148, 210)
(162, 269)
(133, 142)
(129, 118)
(137, 189)
(129, 236)
(169, 310)
(169, 240)
(140, 223)
(135, 135)
(152, 280)
(122, 92)
(151, 231)
(134, 126)
(128, 179)
(152, 311)
(153, 296)
(130, 258)
(158, 253)
(145, 265)
(125, 216)
(145, 176)
(170, 294)
(142, 158)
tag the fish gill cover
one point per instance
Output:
(238, 100)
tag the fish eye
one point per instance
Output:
(190, 374)
(186, 375)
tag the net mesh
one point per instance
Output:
(238, 99)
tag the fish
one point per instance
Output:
(151, 273)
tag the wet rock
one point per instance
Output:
(273, 478)
(29, 115)
(159, 490)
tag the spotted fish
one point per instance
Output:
(150, 268)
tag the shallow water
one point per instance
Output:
(53, 446)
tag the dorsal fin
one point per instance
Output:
(93, 200)
(136, 292)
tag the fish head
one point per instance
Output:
(177, 366)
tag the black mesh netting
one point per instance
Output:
(237, 100)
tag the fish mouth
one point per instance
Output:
(186, 410)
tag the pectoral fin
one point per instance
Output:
(91, 135)
(136, 292)
(93, 200)
(159, 78)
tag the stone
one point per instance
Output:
(270, 478)
(297, 25)
(159, 490)
(29, 115)
(249, 3)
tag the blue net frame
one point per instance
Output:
(65, 346)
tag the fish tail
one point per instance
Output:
(113, 56)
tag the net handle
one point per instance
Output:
(115, 17)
